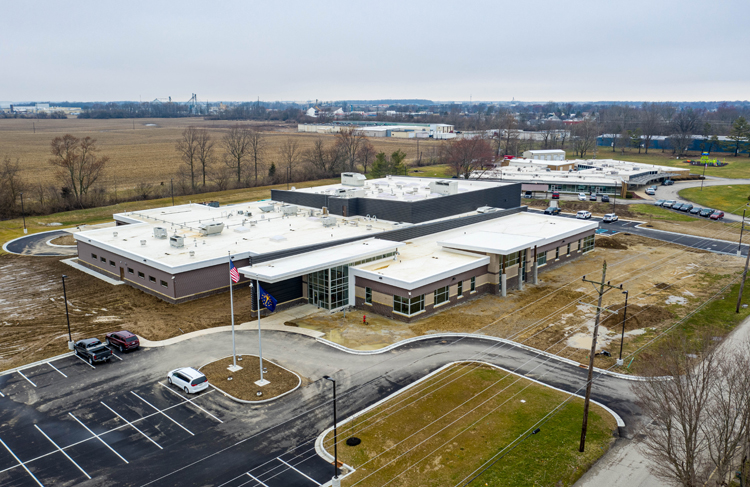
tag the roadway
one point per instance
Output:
(36, 245)
(150, 434)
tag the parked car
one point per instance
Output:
(555, 195)
(650, 191)
(527, 194)
(92, 350)
(669, 203)
(717, 215)
(677, 206)
(706, 212)
(609, 218)
(696, 210)
(581, 196)
(667, 182)
(188, 379)
(583, 215)
(123, 340)
(659, 202)
(592, 197)
(605, 198)
(552, 210)
(686, 207)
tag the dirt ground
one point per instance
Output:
(664, 281)
(64, 240)
(242, 386)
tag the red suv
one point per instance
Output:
(555, 195)
(123, 340)
(717, 215)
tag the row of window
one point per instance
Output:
(414, 305)
(131, 271)
(584, 244)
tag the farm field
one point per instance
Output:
(143, 150)
(448, 426)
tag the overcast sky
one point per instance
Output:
(572, 50)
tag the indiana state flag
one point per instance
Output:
(267, 300)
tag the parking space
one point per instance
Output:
(299, 468)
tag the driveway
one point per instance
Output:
(37, 244)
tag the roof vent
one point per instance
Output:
(114, 234)
(143, 242)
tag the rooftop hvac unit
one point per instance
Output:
(369, 227)
(352, 179)
(253, 222)
(114, 234)
(444, 187)
(192, 253)
(160, 232)
(266, 208)
(328, 221)
(213, 228)
(240, 212)
(486, 209)
(177, 241)
(289, 210)
(143, 242)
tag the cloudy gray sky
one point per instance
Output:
(302, 50)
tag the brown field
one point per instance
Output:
(141, 152)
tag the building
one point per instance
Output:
(698, 143)
(599, 176)
(401, 247)
(545, 155)
(382, 129)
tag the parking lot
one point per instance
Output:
(66, 422)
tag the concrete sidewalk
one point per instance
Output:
(274, 322)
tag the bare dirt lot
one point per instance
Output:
(242, 384)
(143, 150)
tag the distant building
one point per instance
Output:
(545, 155)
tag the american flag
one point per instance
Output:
(233, 273)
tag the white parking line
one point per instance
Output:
(58, 370)
(191, 401)
(261, 483)
(61, 451)
(162, 413)
(2, 395)
(21, 374)
(115, 356)
(98, 438)
(84, 361)
(131, 424)
(21, 463)
(304, 475)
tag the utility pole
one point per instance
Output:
(742, 284)
(171, 188)
(739, 246)
(704, 175)
(603, 284)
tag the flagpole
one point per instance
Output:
(231, 305)
(260, 342)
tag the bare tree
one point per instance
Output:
(290, 154)
(78, 163)
(650, 123)
(366, 154)
(467, 154)
(508, 134)
(325, 160)
(348, 141)
(11, 186)
(205, 152)
(187, 147)
(684, 124)
(236, 148)
(257, 150)
(584, 136)
(221, 176)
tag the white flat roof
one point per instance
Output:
(278, 270)
(492, 242)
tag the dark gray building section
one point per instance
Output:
(505, 196)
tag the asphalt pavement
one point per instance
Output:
(66, 423)
(36, 244)
(672, 192)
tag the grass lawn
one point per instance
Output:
(441, 431)
(437, 171)
(739, 167)
(10, 229)
(730, 199)
(656, 213)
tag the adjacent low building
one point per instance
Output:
(432, 243)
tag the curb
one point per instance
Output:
(34, 364)
(49, 242)
(5, 245)
(243, 401)
(482, 337)
(323, 453)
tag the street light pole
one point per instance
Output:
(67, 315)
(704, 175)
(23, 215)
(742, 227)
(335, 482)
(624, 317)
(171, 186)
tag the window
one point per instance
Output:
(460, 287)
(541, 259)
(511, 259)
(473, 285)
(152, 279)
(441, 295)
(588, 243)
(112, 263)
(130, 271)
(93, 256)
(568, 253)
(557, 253)
(408, 306)
(368, 295)
(141, 275)
(579, 244)
(103, 259)
(164, 284)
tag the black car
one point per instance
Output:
(92, 350)
(552, 210)
(667, 182)
(677, 206)
(706, 212)
(695, 210)
(686, 207)
(605, 198)
(527, 194)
